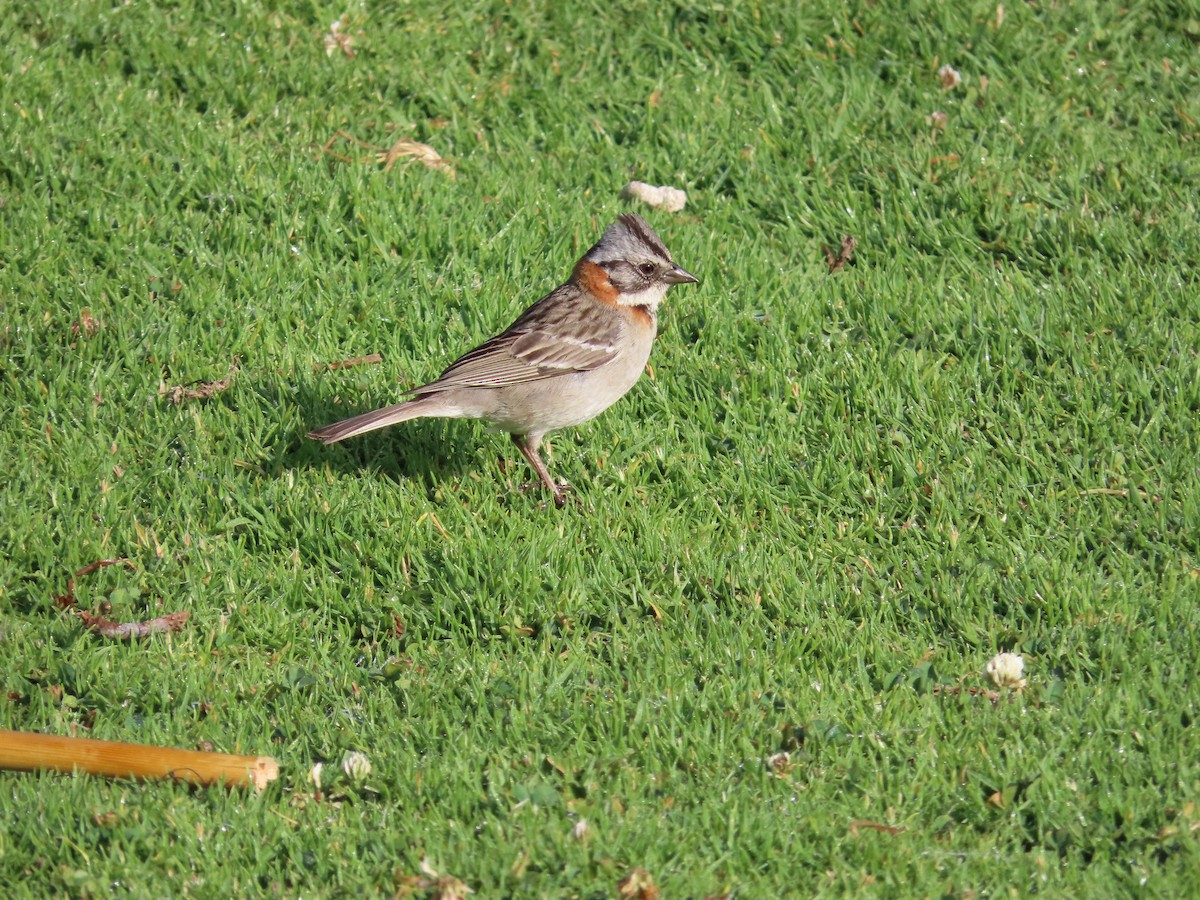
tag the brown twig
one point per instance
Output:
(327, 147)
(167, 624)
(67, 600)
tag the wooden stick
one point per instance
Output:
(27, 752)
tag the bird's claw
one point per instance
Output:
(560, 490)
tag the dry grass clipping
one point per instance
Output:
(404, 149)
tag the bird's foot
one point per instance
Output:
(560, 489)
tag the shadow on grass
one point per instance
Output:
(428, 451)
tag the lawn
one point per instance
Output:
(749, 660)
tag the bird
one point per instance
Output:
(566, 359)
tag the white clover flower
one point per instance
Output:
(1006, 669)
(356, 765)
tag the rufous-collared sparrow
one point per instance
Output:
(565, 360)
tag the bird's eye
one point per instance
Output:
(646, 269)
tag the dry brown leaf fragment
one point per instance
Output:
(203, 390)
(87, 325)
(639, 885)
(779, 764)
(406, 148)
(949, 76)
(339, 39)
(837, 262)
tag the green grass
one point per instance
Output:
(836, 499)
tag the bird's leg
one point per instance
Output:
(528, 445)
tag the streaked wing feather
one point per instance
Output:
(548, 339)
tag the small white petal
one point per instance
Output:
(356, 765)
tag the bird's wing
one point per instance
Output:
(550, 338)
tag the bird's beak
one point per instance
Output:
(680, 276)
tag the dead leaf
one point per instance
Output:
(949, 76)
(639, 885)
(203, 390)
(415, 150)
(87, 325)
(1003, 798)
(779, 764)
(405, 148)
(845, 253)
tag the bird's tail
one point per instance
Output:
(377, 418)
